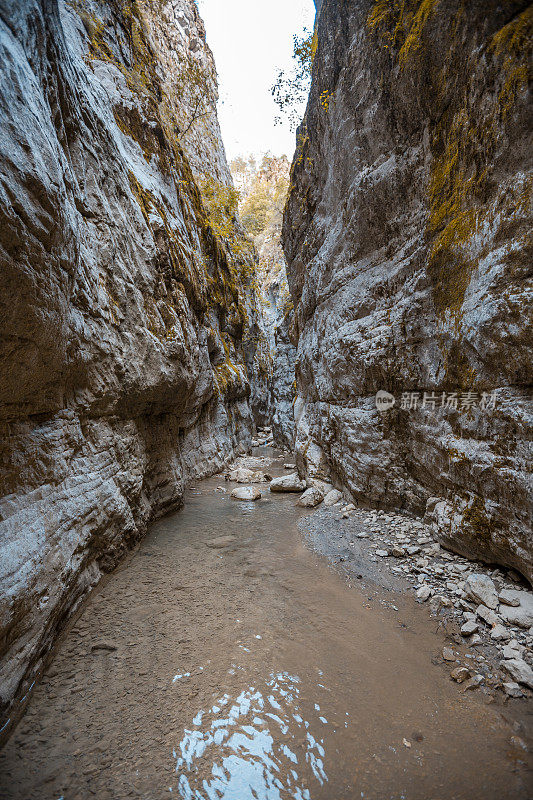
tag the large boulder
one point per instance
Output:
(519, 670)
(246, 493)
(332, 497)
(311, 497)
(288, 483)
(481, 589)
(521, 614)
(243, 475)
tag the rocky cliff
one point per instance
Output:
(127, 311)
(407, 235)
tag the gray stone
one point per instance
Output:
(442, 600)
(246, 493)
(288, 483)
(332, 497)
(519, 670)
(311, 497)
(487, 615)
(522, 615)
(509, 597)
(512, 689)
(424, 593)
(513, 650)
(469, 628)
(481, 589)
(448, 654)
(474, 682)
(397, 552)
(500, 633)
(243, 475)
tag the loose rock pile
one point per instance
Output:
(492, 606)
(264, 437)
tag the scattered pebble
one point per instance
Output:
(460, 674)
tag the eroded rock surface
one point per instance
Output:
(125, 298)
(406, 236)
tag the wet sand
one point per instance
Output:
(244, 667)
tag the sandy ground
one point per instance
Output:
(227, 659)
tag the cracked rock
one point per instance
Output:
(481, 589)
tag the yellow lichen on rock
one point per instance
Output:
(400, 24)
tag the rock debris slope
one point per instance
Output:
(126, 297)
(409, 262)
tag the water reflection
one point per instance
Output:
(246, 747)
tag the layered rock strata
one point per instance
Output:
(126, 298)
(407, 236)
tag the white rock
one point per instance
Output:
(509, 597)
(499, 633)
(332, 497)
(487, 615)
(289, 466)
(521, 616)
(512, 689)
(288, 483)
(469, 628)
(242, 475)
(246, 493)
(481, 589)
(311, 497)
(519, 670)
(382, 553)
(513, 650)
(424, 593)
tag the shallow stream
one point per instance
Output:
(225, 660)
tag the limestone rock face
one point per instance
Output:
(125, 299)
(406, 237)
(281, 383)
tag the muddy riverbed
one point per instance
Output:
(226, 659)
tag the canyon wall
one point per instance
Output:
(407, 236)
(128, 317)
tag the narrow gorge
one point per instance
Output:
(130, 320)
(266, 485)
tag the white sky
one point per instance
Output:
(251, 41)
